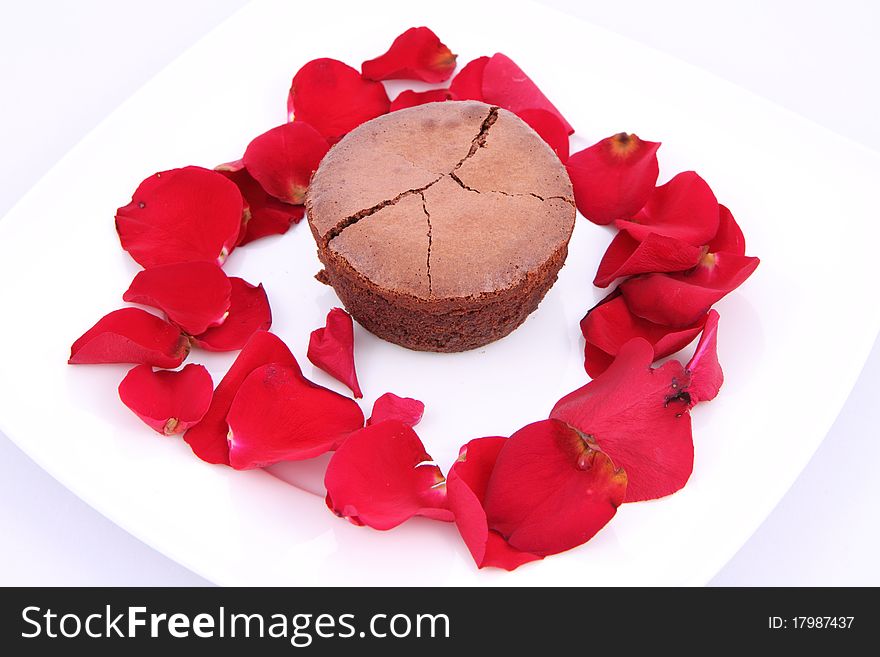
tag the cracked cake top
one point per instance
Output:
(444, 200)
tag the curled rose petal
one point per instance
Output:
(626, 256)
(681, 299)
(391, 407)
(279, 415)
(684, 208)
(417, 54)
(284, 158)
(506, 84)
(639, 417)
(131, 335)
(610, 325)
(208, 438)
(704, 368)
(381, 476)
(183, 215)
(334, 98)
(271, 219)
(466, 491)
(613, 178)
(249, 312)
(410, 98)
(169, 402)
(263, 214)
(551, 489)
(729, 238)
(550, 128)
(468, 83)
(331, 348)
(193, 295)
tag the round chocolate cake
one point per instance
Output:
(441, 227)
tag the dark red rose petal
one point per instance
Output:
(381, 476)
(684, 208)
(626, 256)
(249, 312)
(131, 335)
(193, 295)
(169, 402)
(639, 417)
(550, 128)
(466, 490)
(271, 219)
(506, 84)
(391, 407)
(681, 299)
(729, 238)
(551, 490)
(610, 325)
(410, 98)
(334, 98)
(468, 83)
(208, 438)
(284, 158)
(263, 214)
(183, 215)
(331, 349)
(613, 178)
(417, 54)
(704, 368)
(279, 415)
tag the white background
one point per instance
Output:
(65, 66)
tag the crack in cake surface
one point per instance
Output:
(362, 214)
(478, 142)
(430, 242)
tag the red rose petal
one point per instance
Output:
(131, 335)
(626, 256)
(729, 238)
(681, 299)
(169, 402)
(704, 368)
(551, 490)
(506, 84)
(284, 158)
(417, 54)
(550, 128)
(684, 208)
(596, 360)
(279, 415)
(271, 219)
(613, 178)
(639, 417)
(249, 312)
(208, 438)
(466, 490)
(410, 98)
(391, 407)
(263, 214)
(610, 325)
(193, 295)
(331, 349)
(183, 215)
(381, 476)
(334, 98)
(468, 83)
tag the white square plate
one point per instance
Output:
(792, 339)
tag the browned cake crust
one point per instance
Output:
(441, 227)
